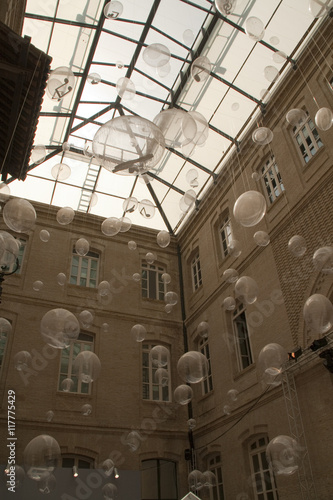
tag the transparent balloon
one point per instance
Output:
(203, 329)
(297, 245)
(261, 238)
(249, 208)
(132, 245)
(246, 289)
(191, 423)
(47, 484)
(111, 226)
(166, 278)
(234, 248)
(9, 249)
(192, 367)
(87, 366)
(232, 395)
(183, 394)
(93, 78)
(323, 260)
(41, 456)
(274, 40)
(44, 235)
(110, 491)
(201, 69)
(125, 88)
(61, 279)
(156, 55)
(283, 455)
(38, 154)
(130, 204)
(196, 480)
(188, 37)
(86, 318)
(209, 479)
(271, 74)
(65, 216)
(104, 288)
(133, 441)
(255, 176)
(279, 57)
(319, 8)
(225, 7)
(227, 409)
(159, 356)
(235, 106)
(324, 119)
(60, 83)
(161, 377)
(67, 385)
(168, 308)
(146, 209)
(59, 327)
(188, 200)
(19, 215)
(254, 28)
(22, 360)
(163, 239)
(199, 139)
(49, 416)
(113, 9)
(86, 410)
(150, 257)
(105, 327)
(37, 285)
(138, 333)
(61, 171)
(177, 126)
(136, 277)
(296, 117)
(229, 304)
(171, 298)
(270, 364)
(192, 178)
(230, 275)
(16, 474)
(108, 466)
(5, 328)
(318, 313)
(82, 246)
(262, 136)
(163, 71)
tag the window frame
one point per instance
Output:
(307, 150)
(78, 461)
(155, 288)
(164, 393)
(207, 382)
(83, 341)
(240, 310)
(271, 175)
(214, 464)
(158, 467)
(225, 235)
(261, 473)
(91, 256)
(196, 272)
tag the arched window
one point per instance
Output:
(215, 466)
(159, 479)
(263, 481)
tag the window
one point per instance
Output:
(225, 234)
(23, 244)
(158, 480)
(196, 272)
(152, 285)
(214, 465)
(242, 338)
(330, 84)
(84, 271)
(263, 479)
(207, 383)
(3, 342)
(307, 139)
(79, 462)
(272, 179)
(151, 388)
(68, 355)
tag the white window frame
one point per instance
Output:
(225, 235)
(196, 272)
(271, 179)
(215, 466)
(152, 391)
(207, 382)
(263, 481)
(90, 282)
(152, 285)
(242, 338)
(85, 342)
(307, 139)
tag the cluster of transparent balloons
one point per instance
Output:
(198, 480)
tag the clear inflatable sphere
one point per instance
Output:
(108, 466)
(19, 215)
(188, 200)
(61, 171)
(67, 385)
(254, 28)
(113, 9)
(324, 119)
(87, 366)
(192, 367)
(229, 304)
(196, 480)
(296, 117)
(156, 55)
(4, 192)
(234, 248)
(171, 298)
(129, 145)
(318, 313)
(246, 290)
(5, 328)
(163, 71)
(225, 7)
(191, 423)
(262, 136)
(132, 245)
(104, 288)
(60, 83)
(65, 216)
(297, 245)
(111, 226)
(146, 209)
(138, 333)
(125, 88)
(183, 394)
(319, 8)
(133, 440)
(271, 73)
(166, 278)
(279, 57)
(202, 133)
(161, 377)
(19, 475)
(93, 78)
(59, 328)
(150, 257)
(38, 154)
(177, 126)
(109, 490)
(41, 456)
(192, 178)
(200, 69)
(232, 395)
(82, 246)
(209, 479)
(249, 208)
(47, 484)
(227, 409)
(230, 275)
(159, 356)
(274, 40)
(44, 235)
(255, 176)
(49, 416)
(22, 360)
(136, 277)
(188, 37)
(86, 318)
(130, 204)
(61, 279)
(168, 308)
(261, 238)
(283, 455)
(86, 410)
(323, 260)
(37, 285)
(270, 363)
(163, 239)
(203, 329)
(105, 327)
(9, 249)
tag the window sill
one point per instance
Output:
(245, 372)
(78, 291)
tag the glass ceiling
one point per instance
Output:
(76, 34)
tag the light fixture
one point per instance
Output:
(75, 471)
(295, 354)
(317, 344)
(7, 469)
(116, 473)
